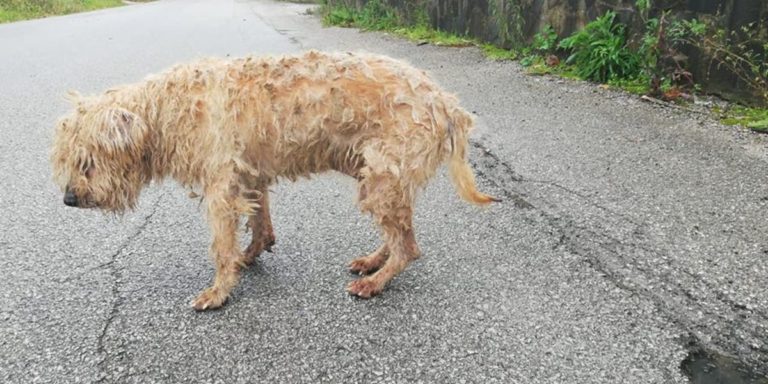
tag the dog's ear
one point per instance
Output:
(124, 130)
(76, 99)
(73, 96)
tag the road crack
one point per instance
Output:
(117, 276)
(490, 160)
(620, 256)
(503, 175)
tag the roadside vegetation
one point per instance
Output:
(15, 10)
(603, 52)
(376, 16)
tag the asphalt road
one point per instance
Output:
(632, 240)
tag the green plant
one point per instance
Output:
(545, 41)
(13, 10)
(637, 86)
(508, 17)
(681, 30)
(495, 53)
(437, 37)
(742, 52)
(341, 16)
(755, 119)
(376, 16)
(650, 42)
(529, 59)
(537, 65)
(599, 51)
(659, 51)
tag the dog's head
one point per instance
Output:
(98, 157)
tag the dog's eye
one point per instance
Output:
(87, 167)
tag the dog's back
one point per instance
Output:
(298, 115)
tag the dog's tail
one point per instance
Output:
(461, 174)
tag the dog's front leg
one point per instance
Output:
(223, 217)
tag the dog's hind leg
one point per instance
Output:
(370, 263)
(260, 223)
(391, 206)
(225, 205)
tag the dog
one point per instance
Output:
(231, 128)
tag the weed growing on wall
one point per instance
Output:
(508, 17)
(742, 52)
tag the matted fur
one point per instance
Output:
(231, 128)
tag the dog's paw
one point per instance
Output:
(365, 265)
(211, 298)
(364, 288)
(251, 253)
(255, 248)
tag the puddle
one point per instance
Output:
(706, 367)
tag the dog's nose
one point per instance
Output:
(69, 198)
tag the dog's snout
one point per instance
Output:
(69, 198)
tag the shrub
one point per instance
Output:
(545, 41)
(341, 16)
(376, 16)
(599, 51)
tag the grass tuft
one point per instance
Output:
(425, 33)
(495, 53)
(15, 10)
(376, 16)
(755, 119)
